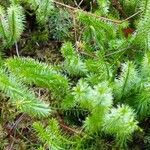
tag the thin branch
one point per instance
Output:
(132, 16)
(88, 13)
(81, 2)
(17, 51)
(10, 147)
(69, 129)
(76, 4)
(64, 126)
(13, 128)
(67, 6)
(87, 54)
(75, 30)
(110, 54)
(93, 15)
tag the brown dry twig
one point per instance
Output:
(11, 144)
(13, 128)
(66, 127)
(93, 15)
(69, 128)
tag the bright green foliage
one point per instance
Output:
(143, 26)
(23, 98)
(90, 97)
(14, 2)
(102, 99)
(43, 9)
(97, 100)
(11, 24)
(142, 103)
(95, 121)
(103, 6)
(40, 74)
(16, 22)
(83, 94)
(144, 6)
(95, 77)
(132, 86)
(95, 70)
(73, 63)
(129, 6)
(97, 33)
(3, 24)
(103, 94)
(51, 135)
(127, 82)
(99, 71)
(121, 123)
(145, 72)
